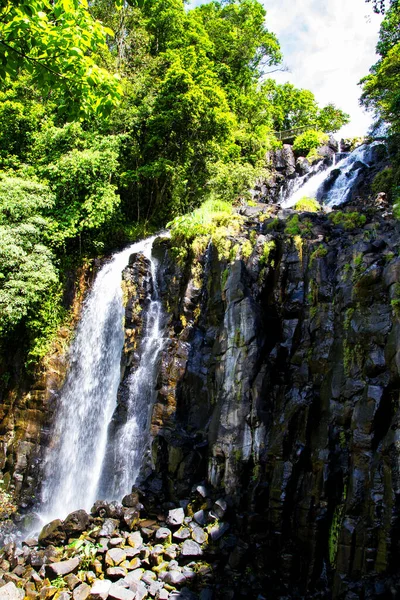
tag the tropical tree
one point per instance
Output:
(57, 42)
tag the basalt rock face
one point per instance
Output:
(280, 386)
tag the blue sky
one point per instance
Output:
(327, 47)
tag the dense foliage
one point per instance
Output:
(381, 95)
(56, 42)
(193, 118)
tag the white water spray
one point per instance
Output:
(88, 399)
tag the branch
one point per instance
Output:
(33, 60)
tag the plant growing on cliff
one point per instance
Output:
(319, 252)
(309, 140)
(212, 221)
(347, 220)
(307, 204)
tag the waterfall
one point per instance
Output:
(122, 466)
(333, 186)
(73, 465)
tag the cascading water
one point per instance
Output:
(124, 459)
(73, 465)
(333, 186)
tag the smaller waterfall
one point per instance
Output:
(88, 399)
(125, 457)
(333, 186)
(309, 187)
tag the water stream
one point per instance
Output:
(74, 462)
(332, 186)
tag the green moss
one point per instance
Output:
(224, 277)
(318, 253)
(238, 455)
(212, 221)
(267, 249)
(273, 224)
(293, 226)
(348, 220)
(395, 301)
(307, 204)
(334, 531)
(312, 296)
(383, 182)
(348, 317)
(246, 249)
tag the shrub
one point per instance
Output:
(383, 182)
(348, 220)
(309, 140)
(307, 204)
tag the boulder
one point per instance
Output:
(100, 589)
(191, 548)
(11, 592)
(176, 517)
(81, 592)
(52, 533)
(115, 557)
(62, 568)
(116, 592)
(76, 522)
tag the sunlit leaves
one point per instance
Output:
(27, 271)
(381, 87)
(56, 42)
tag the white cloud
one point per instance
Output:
(328, 47)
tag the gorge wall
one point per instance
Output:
(279, 386)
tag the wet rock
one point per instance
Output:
(72, 581)
(115, 557)
(135, 539)
(175, 578)
(116, 592)
(47, 592)
(140, 589)
(182, 534)
(62, 568)
(163, 534)
(76, 522)
(131, 500)
(218, 530)
(199, 535)
(109, 527)
(114, 573)
(219, 508)
(184, 594)
(200, 517)
(131, 517)
(52, 533)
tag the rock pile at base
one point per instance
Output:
(115, 553)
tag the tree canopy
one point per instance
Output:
(381, 87)
(56, 42)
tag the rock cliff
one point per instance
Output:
(279, 387)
